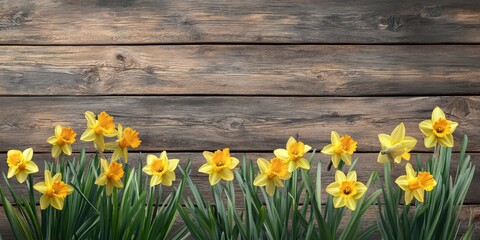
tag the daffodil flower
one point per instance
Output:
(438, 129)
(126, 138)
(62, 141)
(54, 191)
(396, 146)
(219, 165)
(272, 174)
(20, 164)
(111, 176)
(414, 186)
(99, 128)
(341, 148)
(293, 154)
(161, 169)
(346, 191)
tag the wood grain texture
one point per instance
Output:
(168, 21)
(182, 123)
(241, 70)
(366, 165)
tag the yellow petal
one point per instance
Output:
(12, 172)
(278, 183)
(44, 202)
(147, 170)
(155, 180)
(234, 162)
(426, 127)
(58, 130)
(352, 176)
(334, 138)
(21, 176)
(111, 145)
(398, 159)
(167, 181)
(52, 140)
(340, 176)
(395, 150)
(453, 126)
(70, 189)
(437, 114)
(125, 155)
(263, 165)
(290, 141)
(303, 163)
(430, 141)
(339, 202)
(292, 166)
(282, 154)
(91, 119)
(351, 204)
(89, 135)
(206, 168)
(208, 156)
(117, 183)
(164, 156)
(104, 164)
(385, 140)
(398, 134)
(150, 158)
(406, 156)
(57, 177)
(214, 178)
(418, 194)
(270, 188)
(109, 188)
(347, 158)
(57, 203)
(306, 148)
(31, 167)
(226, 174)
(117, 153)
(335, 160)
(120, 131)
(101, 180)
(260, 180)
(67, 149)
(48, 178)
(402, 182)
(410, 171)
(409, 143)
(408, 196)
(172, 164)
(56, 151)
(99, 143)
(41, 187)
(28, 154)
(329, 149)
(361, 189)
(382, 158)
(446, 141)
(333, 189)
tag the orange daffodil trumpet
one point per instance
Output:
(99, 128)
(414, 186)
(272, 174)
(396, 146)
(341, 148)
(293, 154)
(20, 164)
(161, 169)
(219, 165)
(62, 141)
(54, 191)
(438, 129)
(346, 191)
(111, 176)
(126, 138)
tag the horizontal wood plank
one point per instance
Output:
(179, 123)
(240, 70)
(365, 165)
(169, 21)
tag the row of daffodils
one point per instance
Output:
(276, 178)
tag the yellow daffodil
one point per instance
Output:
(341, 148)
(293, 154)
(396, 146)
(161, 169)
(62, 141)
(111, 176)
(346, 191)
(219, 165)
(20, 164)
(272, 174)
(126, 138)
(99, 128)
(414, 186)
(438, 129)
(54, 191)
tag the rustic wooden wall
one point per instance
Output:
(203, 75)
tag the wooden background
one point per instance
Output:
(204, 75)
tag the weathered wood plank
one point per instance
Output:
(242, 123)
(365, 166)
(167, 21)
(241, 70)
